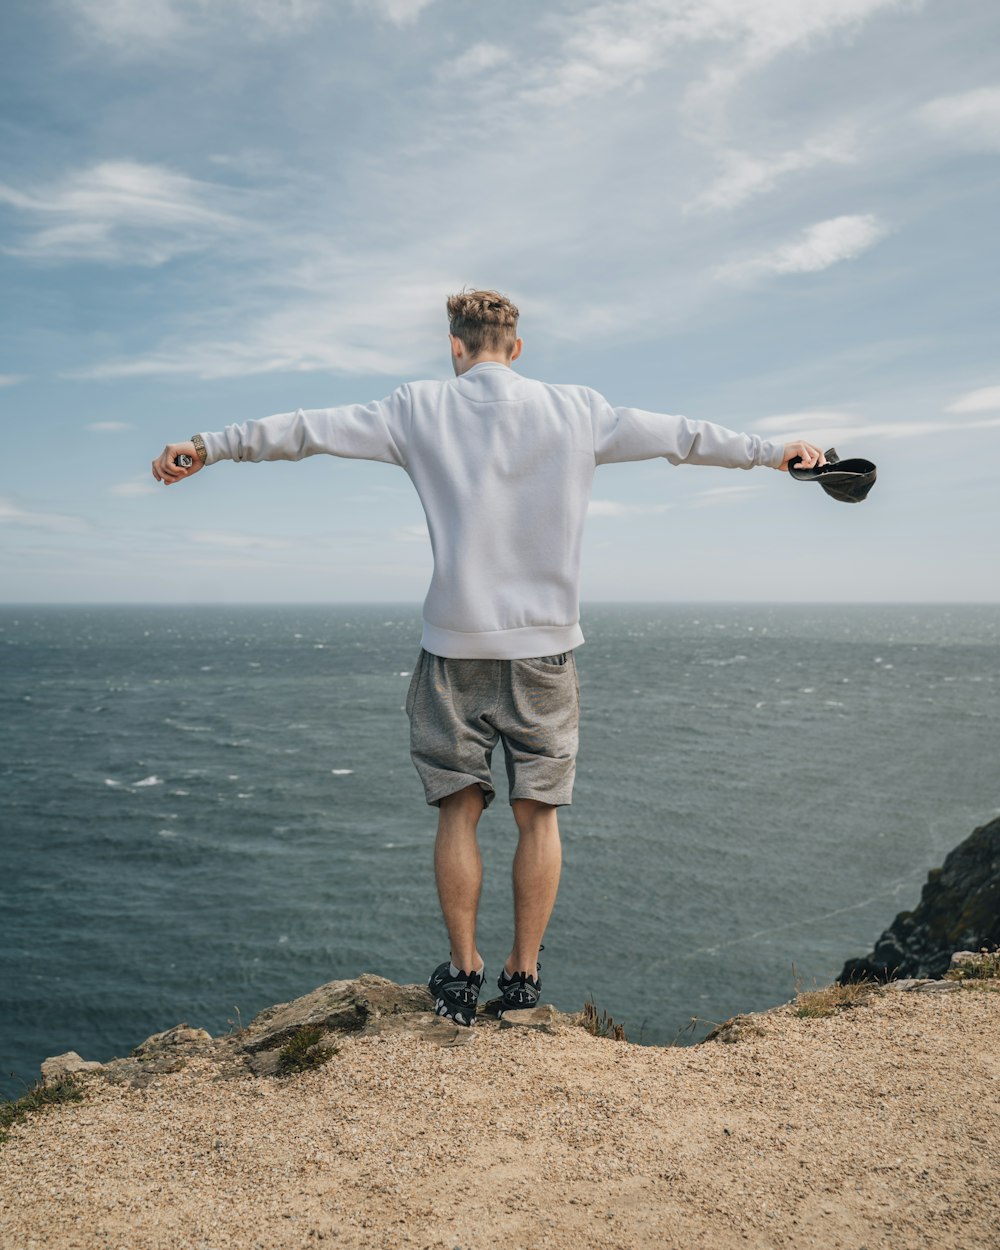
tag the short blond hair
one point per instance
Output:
(485, 321)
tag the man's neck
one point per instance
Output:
(484, 358)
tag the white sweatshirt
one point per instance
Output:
(503, 466)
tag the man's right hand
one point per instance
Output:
(165, 466)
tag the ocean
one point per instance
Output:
(207, 810)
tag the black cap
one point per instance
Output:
(846, 480)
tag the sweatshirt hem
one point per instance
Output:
(522, 643)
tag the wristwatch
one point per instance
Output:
(201, 451)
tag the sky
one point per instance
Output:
(778, 215)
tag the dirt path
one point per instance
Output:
(875, 1128)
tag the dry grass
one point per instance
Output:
(41, 1094)
(600, 1024)
(985, 967)
(835, 998)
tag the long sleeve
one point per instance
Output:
(622, 434)
(375, 431)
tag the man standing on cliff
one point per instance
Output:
(503, 466)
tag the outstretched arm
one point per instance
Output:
(375, 431)
(622, 434)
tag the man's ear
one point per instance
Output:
(457, 346)
(517, 350)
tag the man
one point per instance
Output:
(503, 466)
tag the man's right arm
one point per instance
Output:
(375, 431)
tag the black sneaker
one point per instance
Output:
(455, 998)
(520, 991)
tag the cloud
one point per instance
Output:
(803, 422)
(399, 12)
(745, 176)
(824, 244)
(232, 540)
(343, 332)
(852, 427)
(418, 533)
(142, 485)
(108, 427)
(12, 514)
(720, 495)
(986, 399)
(11, 379)
(971, 117)
(140, 26)
(475, 60)
(611, 508)
(121, 212)
(616, 46)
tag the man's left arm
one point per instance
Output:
(624, 434)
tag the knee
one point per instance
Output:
(465, 805)
(533, 817)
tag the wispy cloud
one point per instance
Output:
(612, 508)
(970, 117)
(418, 533)
(235, 541)
(12, 514)
(986, 399)
(853, 428)
(399, 12)
(120, 212)
(108, 427)
(140, 26)
(719, 496)
(745, 175)
(615, 46)
(804, 422)
(135, 487)
(475, 60)
(11, 379)
(824, 244)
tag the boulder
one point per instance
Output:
(959, 909)
(57, 1067)
(337, 1006)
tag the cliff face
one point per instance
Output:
(959, 909)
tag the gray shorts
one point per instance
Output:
(460, 709)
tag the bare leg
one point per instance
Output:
(458, 870)
(537, 863)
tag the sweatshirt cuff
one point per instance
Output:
(216, 448)
(771, 454)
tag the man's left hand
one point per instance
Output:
(811, 456)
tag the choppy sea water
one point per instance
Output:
(209, 810)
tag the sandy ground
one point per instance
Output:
(875, 1128)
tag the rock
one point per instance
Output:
(59, 1066)
(965, 959)
(180, 1036)
(738, 1029)
(544, 1019)
(959, 910)
(346, 1006)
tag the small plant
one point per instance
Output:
(40, 1095)
(834, 999)
(982, 967)
(302, 1051)
(601, 1024)
(236, 1024)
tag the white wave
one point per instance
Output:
(110, 781)
(148, 781)
(341, 772)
